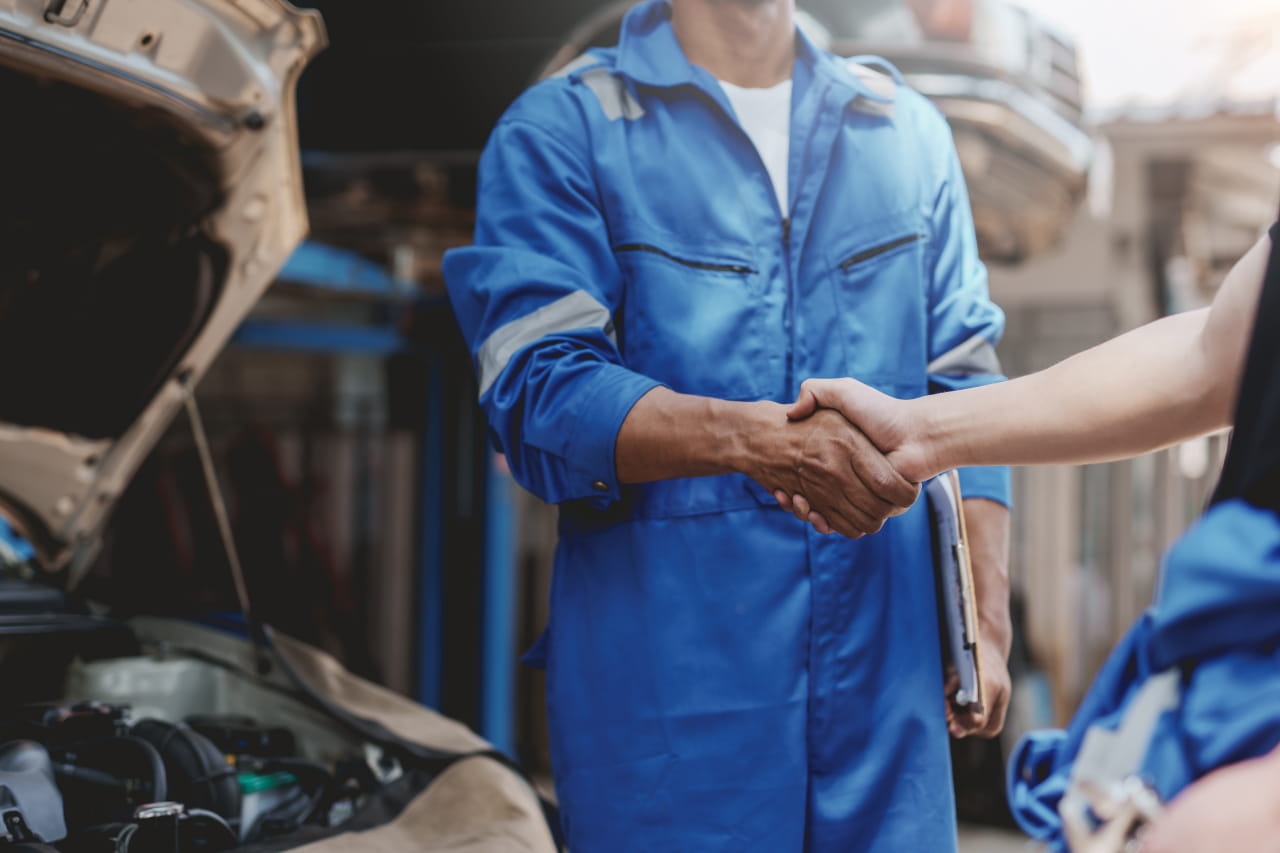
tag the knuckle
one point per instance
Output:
(885, 483)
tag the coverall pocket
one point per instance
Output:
(693, 318)
(881, 294)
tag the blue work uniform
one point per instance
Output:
(720, 677)
(1193, 686)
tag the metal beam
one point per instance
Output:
(342, 271)
(301, 336)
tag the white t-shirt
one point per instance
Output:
(765, 114)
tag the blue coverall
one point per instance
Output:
(1213, 629)
(719, 677)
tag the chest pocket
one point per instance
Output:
(695, 319)
(881, 294)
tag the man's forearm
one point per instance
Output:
(988, 525)
(669, 435)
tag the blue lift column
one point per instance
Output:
(431, 503)
(340, 272)
(498, 687)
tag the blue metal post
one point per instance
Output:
(341, 271)
(431, 508)
(303, 336)
(499, 659)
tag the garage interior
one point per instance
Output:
(372, 516)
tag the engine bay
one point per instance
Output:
(177, 748)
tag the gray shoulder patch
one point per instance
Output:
(615, 98)
(881, 85)
(584, 61)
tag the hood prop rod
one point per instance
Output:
(256, 633)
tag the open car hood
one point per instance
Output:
(151, 190)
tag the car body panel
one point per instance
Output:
(225, 71)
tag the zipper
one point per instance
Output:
(737, 269)
(868, 254)
(788, 318)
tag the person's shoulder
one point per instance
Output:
(557, 103)
(885, 83)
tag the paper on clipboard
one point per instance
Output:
(956, 597)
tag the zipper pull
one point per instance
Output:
(786, 231)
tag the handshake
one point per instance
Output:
(846, 458)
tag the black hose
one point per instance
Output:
(155, 763)
(199, 774)
(89, 776)
(159, 777)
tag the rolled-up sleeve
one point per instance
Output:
(964, 324)
(535, 296)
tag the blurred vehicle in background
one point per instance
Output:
(1008, 83)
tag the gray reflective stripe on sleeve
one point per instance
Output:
(1108, 758)
(580, 62)
(615, 98)
(578, 310)
(974, 357)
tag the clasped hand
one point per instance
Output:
(863, 464)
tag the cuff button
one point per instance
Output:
(600, 486)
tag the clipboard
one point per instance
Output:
(957, 601)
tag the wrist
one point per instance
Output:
(997, 634)
(940, 427)
(749, 432)
(922, 452)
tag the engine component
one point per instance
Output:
(86, 720)
(30, 803)
(280, 795)
(198, 772)
(158, 828)
(238, 735)
(266, 798)
(104, 779)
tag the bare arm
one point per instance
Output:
(668, 435)
(1232, 808)
(1157, 385)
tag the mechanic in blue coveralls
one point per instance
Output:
(672, 235)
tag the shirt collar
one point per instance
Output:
(649, 54)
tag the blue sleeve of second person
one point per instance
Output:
(964, 324)
(535, 296)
